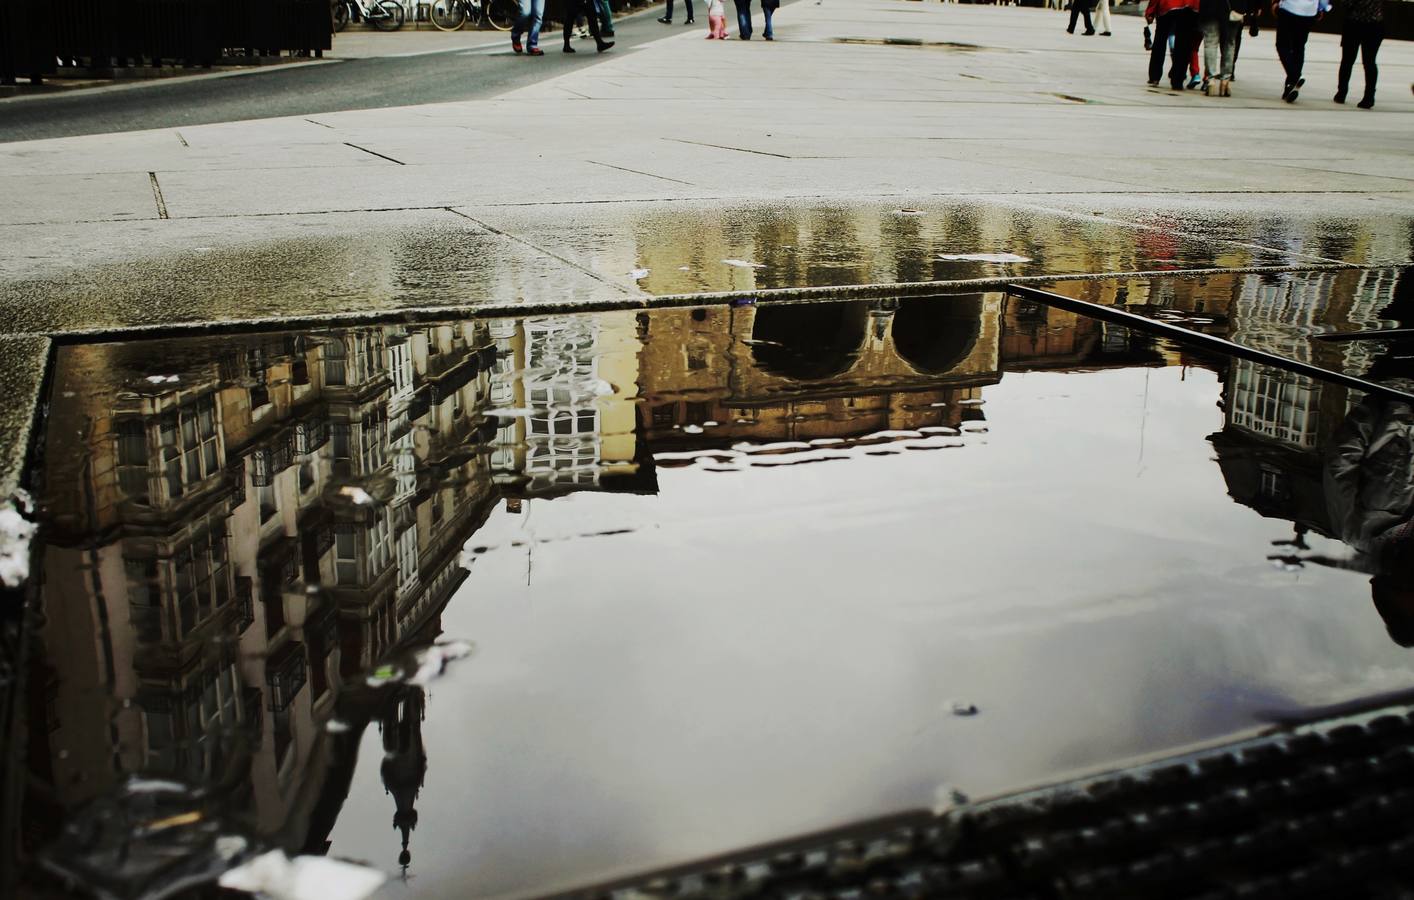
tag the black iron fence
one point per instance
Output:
(39, 37)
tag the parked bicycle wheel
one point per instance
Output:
(501, 14)
(341, 15)
(447, 15)
(388, 15)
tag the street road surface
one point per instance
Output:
(483, 67)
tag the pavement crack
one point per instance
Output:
(550, 253)
(375, 153)
(157, 195)
(182, 139)
(595, 162)
(320, 124)
(724, 147)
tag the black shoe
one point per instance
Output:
(1070, 31)
(605, 45)
(1367, 103)
(689, 21)
(569, 49)
(666, 21)
(1153, 84)
(1105, 34)
(1339, 97)
(1089, 33)
(1290, 95)
(767, 37)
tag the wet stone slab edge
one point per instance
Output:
(647, 302)
(23, 374)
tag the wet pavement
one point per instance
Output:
(725, 573)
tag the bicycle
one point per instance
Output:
(449, 15)
(385, 15)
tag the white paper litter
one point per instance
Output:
(638, 274)
(743, 264)
(303, 878)
(15, 534)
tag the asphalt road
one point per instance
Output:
(309, 89)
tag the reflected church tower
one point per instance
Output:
(404, 765)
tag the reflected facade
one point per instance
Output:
(254, 525)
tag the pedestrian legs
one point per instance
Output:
(1079, 8)
(1183, 26)
(591, 15)
(606, 16)
(743, 19)
(767, 12)
(532, 15)
(1363, 38)
(1102, 16)
(1292, 32)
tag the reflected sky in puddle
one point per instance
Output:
(728, 572)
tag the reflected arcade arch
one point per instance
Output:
(936, 335)
(808, 341)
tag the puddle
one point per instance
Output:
(706, 578)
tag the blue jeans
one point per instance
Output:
(767, 11)
(532, 14)
(743, 18)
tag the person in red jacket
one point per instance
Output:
(1179, 19)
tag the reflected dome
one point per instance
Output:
(935, 335)
(808, 341)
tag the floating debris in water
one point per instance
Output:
(638, 274)
(692, 429)
(946, 799)
(15, 534)
(984, 257)
(962, 708)
(684, 268)
(357, 494)
(163, 379)
(277, 876)
(743, 264)
(908, 211)
(424, 666)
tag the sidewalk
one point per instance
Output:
(551, 196)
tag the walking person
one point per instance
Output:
(1222, 22)
(532, 16)
(585, 7)
(743, 19)
(1079, 8)
(716, 20)
(1177, 19)
(1294, 21)
(668, 13)
(1102, 17)
(1364, 30)
(768, 9)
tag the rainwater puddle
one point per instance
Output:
(705, 578)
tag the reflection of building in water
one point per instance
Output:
(264, 520)
(247, 525)
(819, 370)
(571, 382)
(1277, 427)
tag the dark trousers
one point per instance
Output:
(1080, 8)
(743, 18)
(1292, 32)
(1363, 38)
(588, 9)
(668, 13)
(1182, 25)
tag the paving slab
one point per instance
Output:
(292, 266)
